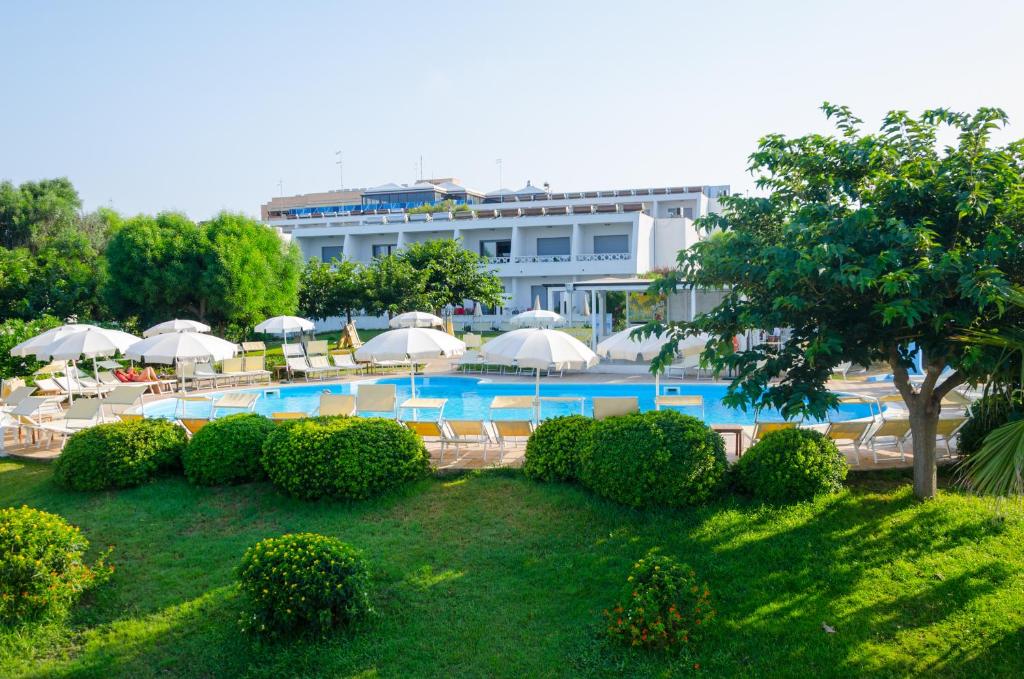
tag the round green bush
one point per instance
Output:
(792, 465)
(42, 570)
(344, 457)
(662, 605)
(227, 450)
(119, 455)
(658, 458)
(302, 582)
(553, 450)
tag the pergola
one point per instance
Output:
(599, 289)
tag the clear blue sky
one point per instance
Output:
(205, 106)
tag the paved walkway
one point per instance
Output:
(474, 458)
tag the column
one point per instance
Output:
(576, 242)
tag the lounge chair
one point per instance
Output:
(680, 401)
(193, 424)
(9, 385)
(183, 401)
(124, 397)
(761, 429)
(316, 348)
(232, 369)
(129, 417)
(287, 416)
(32, 412)
(238, 400)
(855, 431)
(472, 341)
(615, 406)
(256, 367)
(897, 429)
(389, 365)
(949, 427)
(431, 430)
(82, 414)
(468, 361)
(843, 369)
(299, 365)
(321, 363)
(16, 396)
(337, 404)
(468, 433)
(48, 387)
(254, 346)
(511, 431)
(345, 362)
(377, 398)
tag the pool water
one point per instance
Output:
(470, 398)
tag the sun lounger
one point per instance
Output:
(855, 431)
(129, 417)
(761, 429)
(299, 365)
(468, 361)
(16, 396)
(337, 404)
(948, 427)
(48, 387)
(32, 412)
(680, 401)
(468, 433)
(615, 406)
(124, 397)
(390, 365)
(897, 429)
(431, 430)
(254, 346)
(511, 431)
(843, 369)
(377, 398)
(231, 369)
(181, 407)
(81, 414)
(345, 362)
(256, 367)
(193, 424)
(286, 416)
(322, 363)
(239, 400)
(316, 348)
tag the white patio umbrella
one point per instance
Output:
(91, 343)
(174, 347)
(416, 319)
(538, 318)
(282, 325)
(624, 347)
(410, 344)
(176, 325)
(32, 345)
(539, 348)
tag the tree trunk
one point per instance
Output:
(924, 421)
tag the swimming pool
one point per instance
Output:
(470, 398)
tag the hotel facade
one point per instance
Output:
(561, 248)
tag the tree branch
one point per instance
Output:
(900, 378)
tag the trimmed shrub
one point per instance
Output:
(792, 465)
(553, 450)
(119, 455)
(344, 457)
(227, 450)
(654, 458)
(662, 606)
(42, 569)
(302, 582)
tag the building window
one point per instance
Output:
(331, 252)
(384, 249)
(495, 248)
(674, 212)
(604, 245)
(688, 212)
(553, 246)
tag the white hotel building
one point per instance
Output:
(553, 246)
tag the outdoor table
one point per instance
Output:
(416, 403)
(733, 429)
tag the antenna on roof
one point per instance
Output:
(280, 187)
(341, 169)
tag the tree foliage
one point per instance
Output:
(31, 212)
(863, 245)
(453, 274)
(394, 286)
(335, 289)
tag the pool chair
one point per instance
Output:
(337, 404)
(468, 362)
(345, 362)
(614, 406)
(16, 396)
(48, 387)
(82, 414)
(323, 365)
(255, 367)
(468, 433)
(511, 432)
(897, 429)
(763, 428)
(124, 397)
(377, 398)
(193, 424)
(298, 365)
(433, 431)
(472, 340)
(855, 431)
(316, 348)
(9, 385)
(248, 347)
(689, 359)
(286, 416)
(239, 400)
(843, 369)
(949, 427)
(129, 417)
(233, 369)
(680, 401)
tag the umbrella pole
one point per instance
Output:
(71, 387)
(657, 389)
(536, 397)
(412, 378)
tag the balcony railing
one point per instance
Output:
(498, 260)
(538, 259)
(604, 257)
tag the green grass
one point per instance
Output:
(490, 574)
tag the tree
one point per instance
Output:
(865, 246)
(453, 274)
(230, 271)
(334, 289)
(14, 331)
(32, 211)
(394, 286)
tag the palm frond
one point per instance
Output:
(998, 468)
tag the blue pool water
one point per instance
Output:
(470, 398)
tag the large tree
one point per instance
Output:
(394, 286)
(29, 213)
(334, 289)
(865, 246)
(230, 271)
(453, 273)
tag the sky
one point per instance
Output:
(207, 106)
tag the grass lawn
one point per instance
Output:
(490, 574)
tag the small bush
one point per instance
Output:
(302, 582)
(553, 451)
(42, 570)
(654, 458)
(119, 455)
(663, 606)
(791, 465)
(344, 457)
(227, 450)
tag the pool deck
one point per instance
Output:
(474, 457)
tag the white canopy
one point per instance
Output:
(90, 343)
(538, 318)
(410, 344)
(623, 347)
(416, 319)
(282, 325)
(176, 325)
(32, 345)
(172, 347)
